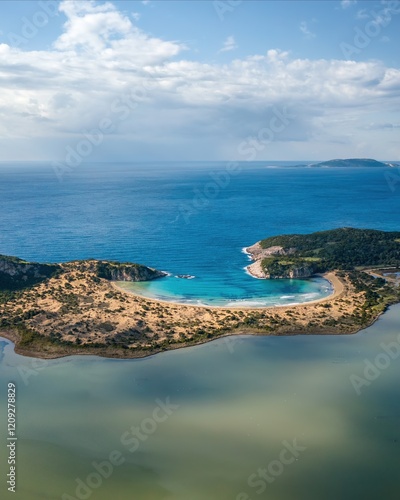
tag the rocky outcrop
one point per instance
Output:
(115, 271)
(257, 252)
(290, 272)
(259, 269)
(16, 273)
(256, 270)
(266, 267)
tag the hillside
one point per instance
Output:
(75, 308)
(302, 255)
(17, 274)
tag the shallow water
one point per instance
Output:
(224, 292)
(238, 400)
(158, 214)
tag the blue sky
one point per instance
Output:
(199, 80)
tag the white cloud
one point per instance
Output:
(362, 14)
(91, 25)
(103, 30)
(103, 66)
(306, 31)
(229, 44)
(347, 3)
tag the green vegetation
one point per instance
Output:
(283, 266)
(379, 294)
(345, 248)
(17, 274)
(6, 295)
(56, 316)
(126, 271)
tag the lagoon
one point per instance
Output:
(241, 398)
(235, 404)
(153, 214)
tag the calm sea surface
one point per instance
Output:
(236, 404)
(189, 218)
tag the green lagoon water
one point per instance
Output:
(238, 399)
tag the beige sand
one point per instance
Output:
(97, 317)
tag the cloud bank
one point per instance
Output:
(164, 105)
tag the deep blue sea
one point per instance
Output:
(239, 402)
(187, 218)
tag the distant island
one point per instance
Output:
(350, 162)
(53, 310)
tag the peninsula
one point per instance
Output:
(53, 310)
(303, 255)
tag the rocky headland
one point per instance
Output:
(258, 254)
(300, 256)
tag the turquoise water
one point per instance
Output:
(233, 292)
(240, 401)
(236, 402)
(176, 217)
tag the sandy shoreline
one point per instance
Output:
(108, 321)
(336, 284)
(255, 270)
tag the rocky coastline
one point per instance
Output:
(258, 270)
(52, 310)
